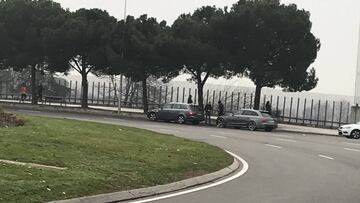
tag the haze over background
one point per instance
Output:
(335, 22)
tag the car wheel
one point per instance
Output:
(355, 134)
(152, 116)
(268, 129)
(220, 123)
(181, 119)
(252, 126)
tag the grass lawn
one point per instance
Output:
(99, 158)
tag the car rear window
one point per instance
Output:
(194, 108)
(266, 115)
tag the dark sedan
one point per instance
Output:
(248, 118)
(179, 112)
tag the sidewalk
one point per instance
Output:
(138, 113)
(306, 130)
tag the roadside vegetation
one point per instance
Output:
(269, 42)
(98, 158)
(9, 120)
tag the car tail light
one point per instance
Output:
(192, 113)
(263, 120)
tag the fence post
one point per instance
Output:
(166, 94)
(183, 96)
(251, 100)
(304, 113)
(207, 96)
(172, 92)
(283, 112)
(115, 91)
(98, 94)
(264, 104)
(332, 117)
(341, 106)
(104, 92)
(177, 94)
(76, 88)
(226, 94)
(291, 102)
(348, 112)
(325, 118)
(244, 101)
(238, 101)
(311, 111)
(213, 98)
(318, 115)
(70, 91)
(109, 94)
(297, 110)
(232, 101)
(92, 93)
(195, 93)
(160, 94)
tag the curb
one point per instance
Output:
(156, 190)
(114, 114)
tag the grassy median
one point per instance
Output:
(99, 158)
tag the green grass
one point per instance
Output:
(99, 158)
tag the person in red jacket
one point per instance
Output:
(23, 92)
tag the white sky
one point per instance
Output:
(335, 22)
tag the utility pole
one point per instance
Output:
(121, 77)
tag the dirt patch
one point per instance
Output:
(10, 120)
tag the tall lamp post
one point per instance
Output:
(121, 77)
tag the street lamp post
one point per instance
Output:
(121, 77)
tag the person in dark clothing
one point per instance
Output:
(40, 92)
(190, 101)
(220, 108)
(208, 110)
(268, 107)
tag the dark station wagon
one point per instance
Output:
(248, 118)
(179, 112)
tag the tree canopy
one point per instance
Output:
(273, 43)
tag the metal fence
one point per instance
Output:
(301, 111)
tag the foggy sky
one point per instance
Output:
(335, 22)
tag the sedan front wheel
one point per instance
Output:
(152, 116)
(355, 134)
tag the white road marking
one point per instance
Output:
(356, 144)
(285, 140)
(273, 146)
(218, 136)
(326, 157)
(284, 136)
(354, 150)
(237, 175)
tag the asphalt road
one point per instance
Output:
(283, 167)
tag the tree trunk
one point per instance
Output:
(257, 97)
(84, 86)
(33, 85)
(144, 96)
(200, 94)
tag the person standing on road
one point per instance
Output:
(208, 110)
(23, 92)
(190, 101)
(268, 107)
(220, 108)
